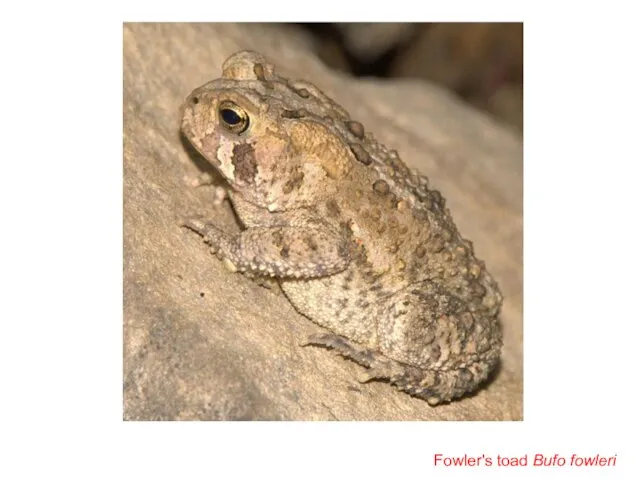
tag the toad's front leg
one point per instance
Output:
(303, 251)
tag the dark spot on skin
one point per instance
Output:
(400, 168)
(294, 182)
(468, 245)
(421, 252)
(332, 208)
(436, 198)
(195, 100)
(381, 187)
(344, 250)
(361, 154)
(420, 214)
(376, 287)
(429, 302)
(258, 70)
(277, 238)
(349, 277)
(355, 128)
(311, 243)
(303, 92)
(244, 161)
(434, 354)
(300, 113)
(478, 290)
(284, 251)
(201, 294)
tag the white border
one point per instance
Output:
(62, 197)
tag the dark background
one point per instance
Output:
(480, 62)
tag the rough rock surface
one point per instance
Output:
(202, 343)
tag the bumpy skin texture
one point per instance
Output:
(357, 241)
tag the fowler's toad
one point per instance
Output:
(357, 241)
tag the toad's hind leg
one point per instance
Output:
(378, 365)
(446, 349)
(432, 386)
(429, 344)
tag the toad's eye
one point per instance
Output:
(232, 117)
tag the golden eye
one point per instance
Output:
(232, 117)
